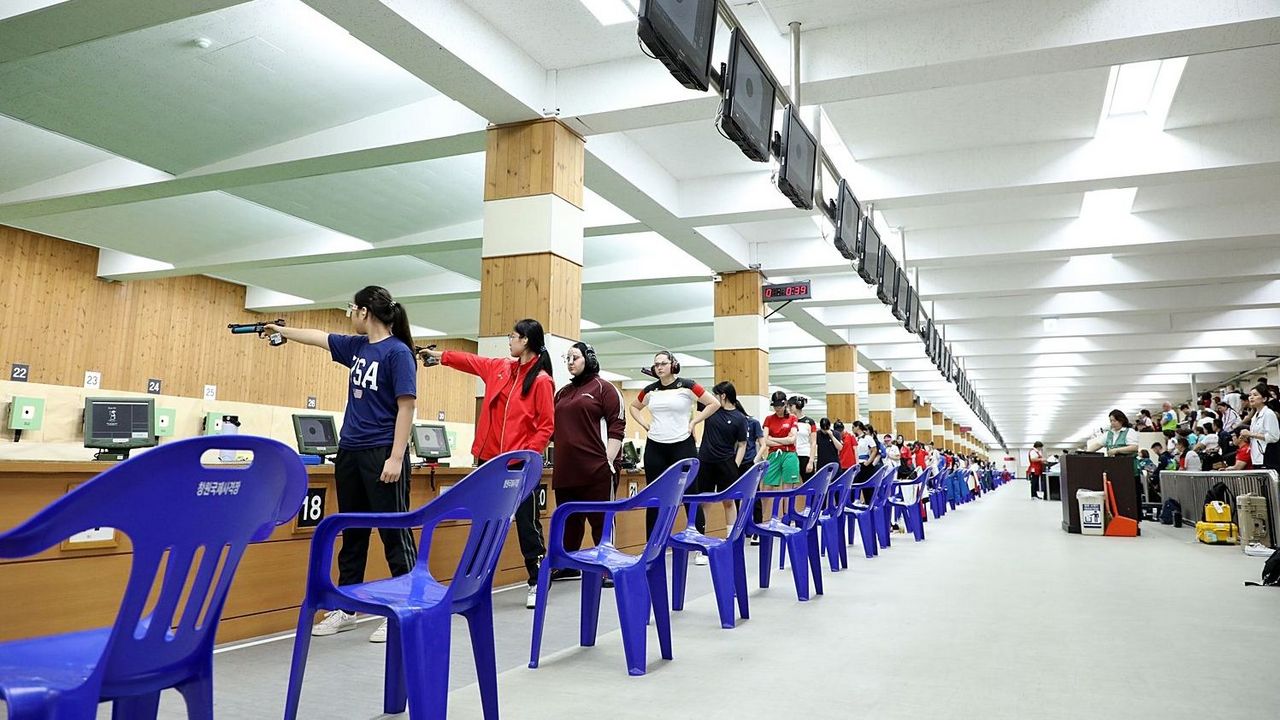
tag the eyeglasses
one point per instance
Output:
(514, 336)
(664, 363)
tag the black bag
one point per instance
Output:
(1270, 572)
(1220, 493)
(1167, 510)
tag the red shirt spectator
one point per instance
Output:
(780, 427)
(848, 451)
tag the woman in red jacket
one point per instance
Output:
(517, 414)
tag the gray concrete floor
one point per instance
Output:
(999, 614)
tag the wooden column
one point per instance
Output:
(742, 339)
(924, 422)
(842, 397)
(531, 252)
(949, 434)
(904, 414)
(880, 400)
(939, 436)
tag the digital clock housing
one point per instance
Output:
(784, 292)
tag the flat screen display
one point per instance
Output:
(887, 290)
(799, 160)
(316, 434)
(122, 423)
(848, 215)
(902, 298)
(680, 33)
(430, 442)
(746, 115)
(869, 252)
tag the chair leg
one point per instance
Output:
(657, 576)
(134, 707)
(870, 545)
(539, 612)
(630, 590)
(198, 695)
(591, 583)
(425, 640)
(679, 577)
(740, 577)
(799, 564)
(766, 558)
(782, 556)
(815, 560)
(301, 644)
(394, 696)
(831, 542)
(480, 623)
(722, 571)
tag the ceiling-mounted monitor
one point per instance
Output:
(902, 305)
(848, 217)
(887, 287)
(680, 33)
(799, 160)
(869, 252)
(746, 115)
(924, 324)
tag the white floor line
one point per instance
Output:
(290, 635)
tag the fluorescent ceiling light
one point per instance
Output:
(585, 324)
(1050, 324)
(612, 12)
(1143, 88)
(1107, 204)
(419, 331)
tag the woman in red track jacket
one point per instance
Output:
(518, 413)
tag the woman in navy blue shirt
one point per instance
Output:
(372, 467)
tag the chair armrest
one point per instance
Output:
(327, 531)
(563, 511)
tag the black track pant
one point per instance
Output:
(659, 456)
(529, 533)
(356, 473)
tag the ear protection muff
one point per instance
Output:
(675, 364)
(590, 358)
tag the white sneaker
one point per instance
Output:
(531, 599)
(379, 635)
(334, 622)
(699, 559)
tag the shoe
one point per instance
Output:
(531, 599)
(607, 582)
(334, 622)
(379, 635)
(565, 574)
(699, 559)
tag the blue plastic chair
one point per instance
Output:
(167, 502)
(419, 607)
(796, 530)
(640, 581)
(909, 511)
(831, 522)
(862, 517)
(937, 492)
(726, 556)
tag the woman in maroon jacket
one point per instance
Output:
(590, 425)
(517, 414)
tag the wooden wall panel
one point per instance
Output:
(841, 406)
(534, 158)
(739, 293)
(747, 369)
(842, 358)
(62, 320)
(542, 286)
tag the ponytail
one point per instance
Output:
(531, 330)
(389, 312)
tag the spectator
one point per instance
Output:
(1145, 422)
(1243, 456)
(1168, 419)
(1263, 433)
(1229, 416)
(1231, 396)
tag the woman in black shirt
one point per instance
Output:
(828, 444)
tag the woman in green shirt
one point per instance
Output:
(1121, 439)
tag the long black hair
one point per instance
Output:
(726, 389)
(531, 330)
(380, 304)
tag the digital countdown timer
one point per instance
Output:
(787, 291)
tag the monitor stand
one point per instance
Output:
(112, 455)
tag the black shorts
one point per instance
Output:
(717, 475)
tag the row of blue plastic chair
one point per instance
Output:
(156, 645)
